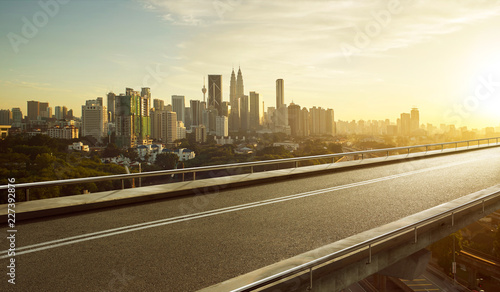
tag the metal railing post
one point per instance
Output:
(251, 169)
(27, 195)
(194, 175)
(123, 185)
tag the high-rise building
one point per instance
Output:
(200, 133)
(330, 122)
(405, 127)
(244, 113)
(94, 119)
(146, 92)
(170, 132)
(195, 112)
(111, 107)
(215, 92)
(254, 118)
(65, 112)
(294, 119)
(304, 123)
(58, 113)
(280, 93)
(164, 126)
(222, 129)
(414, 120)
(181, 130)
(179, 107)
(43, 110)
(159, 104)
(281, 117)
(70, 115)
(5, 117)
(133, 123)
(17, 117)
(33, 110)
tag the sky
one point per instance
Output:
(367, 60)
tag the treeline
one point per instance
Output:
(41, 158)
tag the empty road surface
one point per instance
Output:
(188, 243)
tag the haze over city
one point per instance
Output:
(364, 60)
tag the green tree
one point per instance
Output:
(111, 151)
(166, 160)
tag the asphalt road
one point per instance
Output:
(188, 243)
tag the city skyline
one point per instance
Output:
(366, 61)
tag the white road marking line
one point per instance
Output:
(135, 227)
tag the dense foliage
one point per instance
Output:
(41, 158)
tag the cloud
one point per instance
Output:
(322, 23)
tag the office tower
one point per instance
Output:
(5, 117)
(17, 116)
(244, 113)
(65, 112)
(305, 122)
(405, 124)
(195, 107)
(58, 112)
(222, 128)
(280, 93)
(294, 119)
(159, 104)
(254, 111)
(33, 110)
(43, 110)
(178, 106)
(94, 119)
(70, 115)
(111, 107)
(187, 117)
(330, 122)
(215, 92)
(169, 108)
(414, 120)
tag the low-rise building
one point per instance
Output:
(78, 146)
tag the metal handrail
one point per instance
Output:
(368, 244)
(252, 164)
